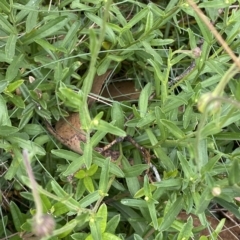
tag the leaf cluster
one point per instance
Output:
(49, 56)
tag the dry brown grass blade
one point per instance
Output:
(121, 91)
(97, 85)
(68, 132)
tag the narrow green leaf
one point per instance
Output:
(71, 96)
(46, 203)
(219, 227)
(15, 164)
(74, 166)
(132, 182)
(188, 172)
(3, 85)
(25, 118)
(115, 27)
(47, 46)
(77, 236)
(159, 152)
(32, 18)
(103, 66)
(160, 115)
(4, 222)
(65, 230)
(58, 190)
(136, 18)
(13, 68)
(45, 114)
(7, 26)
(192, 38)
(25, 9)
(88, 81)
(135, 170)
(93, 47)
(161, 21)
(80, 190)
(109, 236)
(46, 30)
(108, 128)
(210, 129)
(80, 174)
(202, 153)
(7, 130)
(143, 99)
(160, 42)
(13, 86)
(113, 223)
(71, 34)
(95, 229)
(137, 203)
(17, 101)
(137, 237)
(120, 58)
(88, 183)
(146, 187)
(18, 217)
(215, 4)
(173, 102)
(186, 231)
(117, 115)
(149, 22)
(99, 21)
(204, 201)
(169, 183)
(171, 4)
(234, 176)
(103, 184)
(187, 116)
(11, 46)
(144, 122)
(208, 36)
(87, 154)
(230, 118)
(231, 207)
(97, 137)
(150, 50)
(176, 131)
(114, 169)
(171, 215)
(140, 193)
(65, 154)
(158, 75)
(89, 199)
(4, 118)
(92, 170)
(210, 165)
(130, 213)
(203, 238)
(84, 113)
(102, 215)
(4, 6)
(120, 15)
(153, 213)
(82, 7)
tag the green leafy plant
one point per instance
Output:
(182, 153)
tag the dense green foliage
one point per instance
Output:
(49, 55)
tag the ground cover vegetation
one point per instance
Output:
(150, 79)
